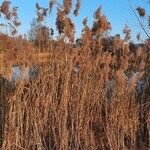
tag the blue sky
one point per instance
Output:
(117, 12)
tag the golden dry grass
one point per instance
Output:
(82, 98)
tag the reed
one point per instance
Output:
(85, 95)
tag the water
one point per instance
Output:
(32, 72)
(24, 74)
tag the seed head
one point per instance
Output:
(141, 11)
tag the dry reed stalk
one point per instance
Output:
(70, 110)
(81, 98)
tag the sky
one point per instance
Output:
(117, 12)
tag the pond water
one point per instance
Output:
(32, 72)
(25, 73)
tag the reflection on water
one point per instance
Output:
(24, 73)
(27, 73)
(15, 72)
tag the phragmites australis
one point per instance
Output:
(60, 24)
(117, 43)
(14, 11)
(10, 15)
(141, 11)
(41, 12)
(97, 13)
(16, 22)
(85, 21)
(127, 33)
(67, 6)
(65, 25)
(86, 36)
(76, 11)
(12, 28)
(14, 14)
(51, 4)
(37, 6)
(86, 33)
(101, 25)
(86, 80)
(5, 9)
(69, 29)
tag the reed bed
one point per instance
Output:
(85, 96)
(70, 105)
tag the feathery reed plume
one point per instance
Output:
(12, 29)
(10, 15)
(15, 20)
(98, 13)
(85, 20)
(64, 25)
(60, 24)
(101, 25)
(41, 12)
(69, 29)
(86, 35)
(141, 11)
(127, 33)
(67, 6)
(14, 11)
(37, 6)
(76, 11)
(5, 9)
(51, 4)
